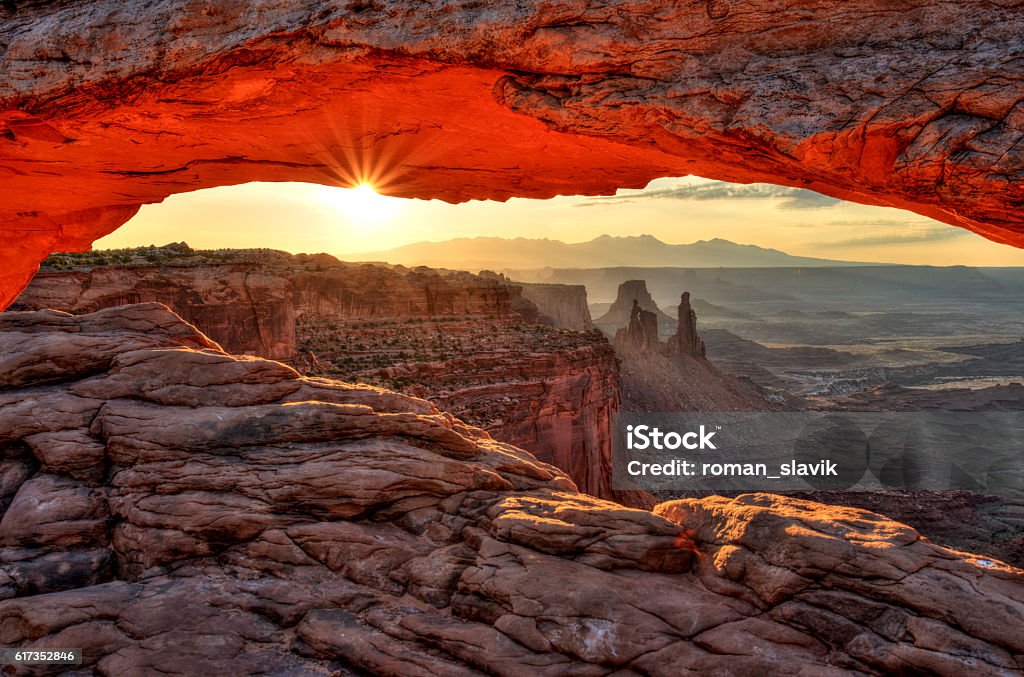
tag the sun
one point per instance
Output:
(363, 204)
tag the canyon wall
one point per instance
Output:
(172, 509)
(550, 391)
(105, 106)
(244, 307)
(249, 301)
(466, 342)
(559, 405)
(565, 304)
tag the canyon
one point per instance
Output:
(171, 508)
(529, 99)
(520, 361)
(675, 375)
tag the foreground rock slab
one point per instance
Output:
(174, 509)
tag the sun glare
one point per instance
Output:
(363, 204)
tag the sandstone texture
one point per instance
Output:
(471, 343)
(557, 403)
(250, 300)
(552, 392)
(173, 509)
(105, 106)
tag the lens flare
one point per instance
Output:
(363, 204)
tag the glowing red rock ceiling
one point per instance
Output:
(105, 106)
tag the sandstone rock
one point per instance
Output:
(807, 565)
(620, 313)
(555, 401)
(640, 335)
(686, 341)
(674, 376)
(249, 300)
(565, 304)
(39, 348)
(536, 99)
(343, 529)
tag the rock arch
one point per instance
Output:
(105, 106)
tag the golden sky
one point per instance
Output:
(299, 217)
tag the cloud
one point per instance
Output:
(792, 198)
(900, 232)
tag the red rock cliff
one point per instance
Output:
(457, 338)
(246, 308)
(105, 106)
(249, 300)
(557, 403)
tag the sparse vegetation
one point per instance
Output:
(439, 357)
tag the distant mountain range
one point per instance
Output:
(496, 253)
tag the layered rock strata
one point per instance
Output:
(552, 392)
(105, 107)
(565, 304)
(461, 339)
(249, 300)
(170, 508)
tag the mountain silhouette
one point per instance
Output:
(496, 253)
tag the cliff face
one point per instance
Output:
(356, 291)
(565, 304)
(462, 340)
(558, 405)
(552, 392)
(686, 341)
(251, 306)
(245, 308)
(170, 508)
(104, 107)
(630, 293)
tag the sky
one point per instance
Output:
(299, 217)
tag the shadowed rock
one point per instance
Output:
(227, 516)
(640, 335)
(686, 341)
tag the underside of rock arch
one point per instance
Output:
(105, 106)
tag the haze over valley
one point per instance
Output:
(499, 253)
